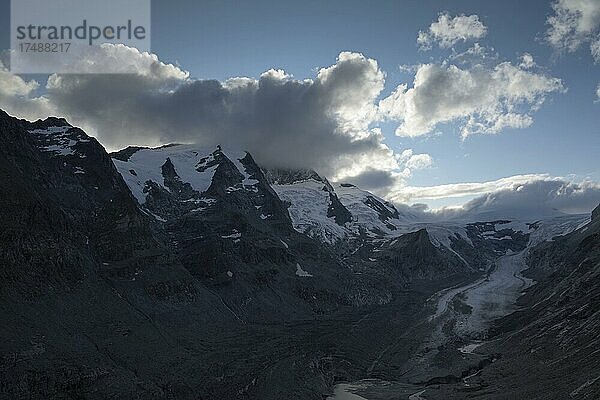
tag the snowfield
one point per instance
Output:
(145, 165)
(308, 210)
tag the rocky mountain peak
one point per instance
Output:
(287, 176)
(49, 122)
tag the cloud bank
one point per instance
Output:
(516, 196)
(538, 197)
(326, 123)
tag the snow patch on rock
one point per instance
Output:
(302, 273)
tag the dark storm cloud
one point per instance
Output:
(321, 124)
(373, 180)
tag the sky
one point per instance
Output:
(433, 102)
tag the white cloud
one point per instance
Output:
(277, 74)
(473, 55)
(520, 195)
(447, 31)
(97, 63)
(480, 99)
(18, 96)
(595, 49)
(598, 93)
(527, 61)
(13, 85)
(415, 161)
(573, 23)
(240, 83)
(350, 87)
(410, 194)
(419, 161)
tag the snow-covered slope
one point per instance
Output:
(309, 204)
(193, 164)
(371, 214)
(331, 213)
(335, 212)
(548, 228)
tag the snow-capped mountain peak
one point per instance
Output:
(191, 164)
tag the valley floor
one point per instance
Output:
(458, 321)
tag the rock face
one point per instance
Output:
(184, 272)
(65, 208)
(233, 233)
(596, 213)
(86, 278)
(413, 256)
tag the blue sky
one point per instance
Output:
(221, 39)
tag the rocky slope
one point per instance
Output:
(87, 281)
(134, 276)
(232, 231)
(187, 272)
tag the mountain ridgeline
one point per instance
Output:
(187, 272)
